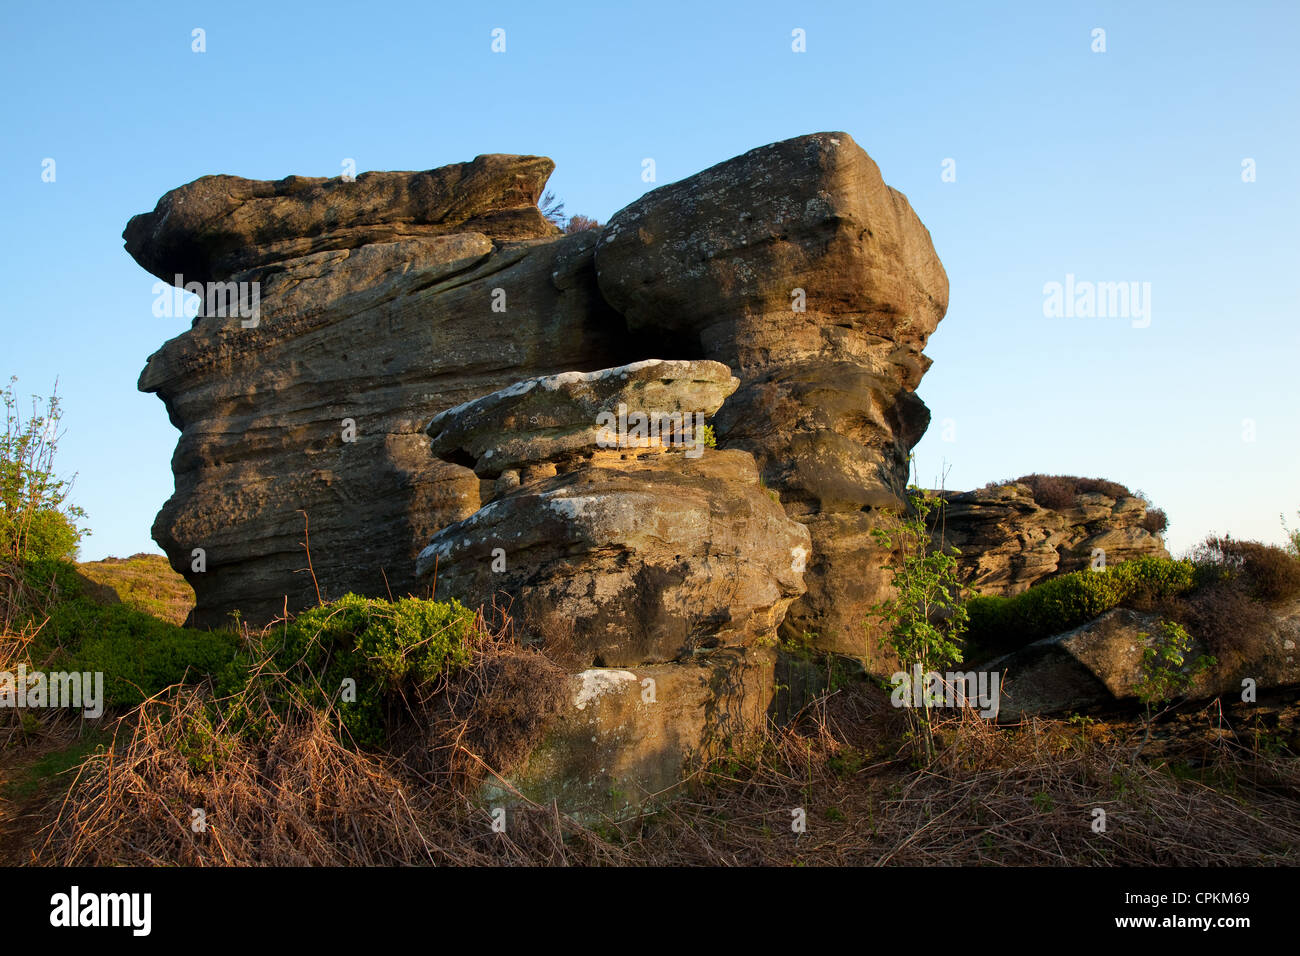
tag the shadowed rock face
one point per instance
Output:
(797, 266)
(386, 335)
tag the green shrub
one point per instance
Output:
(138, 654)
(389, 648)
(1065, 602)
(36, 520)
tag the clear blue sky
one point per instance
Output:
(1115, 166)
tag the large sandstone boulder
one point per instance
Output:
(639, 551)
(391, 298)
(625, 735)
(797, 267)
(1009, 542)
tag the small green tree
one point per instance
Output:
(926, 617)
(1165, 673)
(36, 520)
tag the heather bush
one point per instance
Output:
(1058, 491)
(1292, 537)
(1267, 571)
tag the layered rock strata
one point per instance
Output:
(319, 408)
(1009, 542)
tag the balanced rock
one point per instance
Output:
(555, 417)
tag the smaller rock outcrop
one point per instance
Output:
(1099, 665)
(609, 520)
(1008, 541)
(648, 406)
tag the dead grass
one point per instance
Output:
(1020, 796)
(1010, 796)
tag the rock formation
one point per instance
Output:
(443, 300)
(1098, 665)
(379, 337)
(797, 267)
(218, 226)
(387, 300)
(646, 548)
(1009, 542)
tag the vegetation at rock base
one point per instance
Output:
(283, 781)
(1065, 602)
(1166, 674)
(387, 650)
(1221, 594)
(253, 727)
(927, 615)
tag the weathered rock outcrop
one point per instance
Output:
(641, 548)
(1009, 542)
(1099, 665)
(797, 267)
(559, 418)
(321, 407)
(391, 298)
